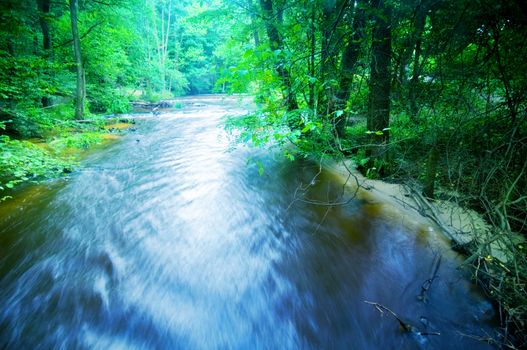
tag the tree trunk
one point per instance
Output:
(431, 171)
(157, 40)
(44, 7)
(311, 61)
(276, 43)
(380, 81)
(81, 84)
(419, 27)
(350, 57)
(327, 61)
(327, 65)
(252, 14)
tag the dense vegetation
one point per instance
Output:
(64, 62)
(429, 90)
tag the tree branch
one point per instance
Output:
(81, 37)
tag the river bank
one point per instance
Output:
(494, 257)
(56, 152)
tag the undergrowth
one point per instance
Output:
(22, 161)
(47, 148)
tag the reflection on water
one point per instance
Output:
(166, 240)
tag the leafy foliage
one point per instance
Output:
(156, 49)
(446, 107)
(22, 161)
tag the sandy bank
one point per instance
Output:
(447, 222)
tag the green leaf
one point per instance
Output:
(364, 161)
(309, 126)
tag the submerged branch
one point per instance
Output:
(404, 326)
(425, 287)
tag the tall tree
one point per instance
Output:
(380, 81)
(350, 58)
(417, 35)
(276, 44)
(252, 12)
(80, 94)
(44, 7)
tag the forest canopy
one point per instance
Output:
(157, 48)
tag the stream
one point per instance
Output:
(170, 239)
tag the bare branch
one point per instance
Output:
(81, 37)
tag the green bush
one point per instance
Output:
(108, 101)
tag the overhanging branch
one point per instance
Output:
(81, 37)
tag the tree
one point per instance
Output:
(380, 78)
(276, 44)
(44, 7)
(81, 83)
(417, 39)
(349, 60)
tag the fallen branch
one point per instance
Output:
(425, 287)
(430, 212)
(488, 339)
(404, 326)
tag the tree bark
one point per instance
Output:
(350, 57)
(332, 11)
(380, 81)
(419, 27)
(431, 171)
(81, 84)
(44, 7)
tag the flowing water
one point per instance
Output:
(169, 239)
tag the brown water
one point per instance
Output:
(169, 240)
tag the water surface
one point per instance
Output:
(169, 240)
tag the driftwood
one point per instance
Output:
(153, 105)
(83, 121)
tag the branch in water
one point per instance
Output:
(405, 326)
(425, 287)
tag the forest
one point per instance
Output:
(430, 93)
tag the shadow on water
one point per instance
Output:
(167, 240)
